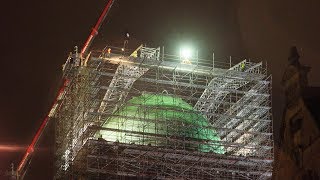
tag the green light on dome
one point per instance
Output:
(144, 118)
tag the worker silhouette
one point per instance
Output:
(126, 41)
(109, 53)
(139, 53)
(243, 66)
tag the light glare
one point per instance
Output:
(185, 53)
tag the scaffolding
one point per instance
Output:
(153, 117)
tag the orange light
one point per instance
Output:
(11, 148)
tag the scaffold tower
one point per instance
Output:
(153, 116)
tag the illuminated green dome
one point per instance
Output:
(161, 120)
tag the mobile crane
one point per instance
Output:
(26, 160)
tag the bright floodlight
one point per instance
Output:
(185, 53)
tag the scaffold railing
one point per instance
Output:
(153, 116)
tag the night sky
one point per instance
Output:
(38, 35)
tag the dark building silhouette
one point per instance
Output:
(299, 156)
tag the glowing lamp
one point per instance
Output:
(185, 53)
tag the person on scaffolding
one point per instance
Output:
(242, 66)
(139, 53)
(126, 41)
(108, 52)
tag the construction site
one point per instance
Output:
(155, 117)
(145, 114)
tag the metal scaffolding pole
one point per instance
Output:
(156, 118)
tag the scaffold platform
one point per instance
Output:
(152, 116)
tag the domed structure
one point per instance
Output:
(161, 120)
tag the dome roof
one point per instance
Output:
(161, 120)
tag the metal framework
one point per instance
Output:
(233, 99)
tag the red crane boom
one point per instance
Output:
(96, 28)
(21, 170)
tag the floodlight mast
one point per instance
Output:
(96, 28)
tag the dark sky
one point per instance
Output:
(37, 36)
